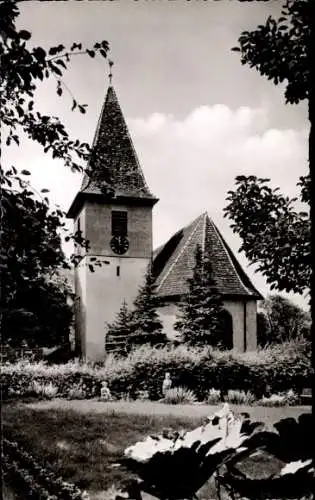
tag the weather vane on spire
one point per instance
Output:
(111, 64)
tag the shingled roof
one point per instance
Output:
(115, 163)
(173, 262)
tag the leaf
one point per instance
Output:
(25, 35)
(44, 190)
(20, 111)
(59, 91)
(61, 63)
(91, 268)
(235, 49)
(25, 172)
(74, 104)
(56, 70)
(91, 53)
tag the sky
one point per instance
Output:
(197, 117)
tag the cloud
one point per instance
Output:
(190, 164)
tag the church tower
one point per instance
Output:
(113, 211)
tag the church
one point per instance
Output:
(118, 226)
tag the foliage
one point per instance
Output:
(178, 464)
(288, 447)
(239, 397)
(22, 70)
(31, 479)
(243, 455)
(119, 331)
(282, 253)
(213, 397)
(284, 399)
(179, 395)
(200, 318)
(78, 391)
(34, 309)
(48, 391)
(29, 256)
(37, 315)
(145, 324)
(274, 369)
(278, 50)
(25, 380)
(91, 438)
(281, 320)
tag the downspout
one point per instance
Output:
(245, 327)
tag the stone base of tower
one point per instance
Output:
(100, 295)
(241, 322)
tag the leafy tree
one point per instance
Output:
(279, 51)
(282, 252)
(282, 321)
(30, 231)
(34, 308)
(200, 319)
(38, 316)
(145, 324)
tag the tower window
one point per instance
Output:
(118, 271)
(119, 223)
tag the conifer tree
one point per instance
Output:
(145, 322)
(200, 320)
(119, 330)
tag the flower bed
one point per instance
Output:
(31, 480)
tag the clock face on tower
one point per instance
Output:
(119, 244)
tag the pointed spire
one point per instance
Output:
(114, 161)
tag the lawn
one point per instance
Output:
(81, 446)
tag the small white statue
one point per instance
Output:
(105, 392)
(167, 383)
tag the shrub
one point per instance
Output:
(214, 397)
(78, 391)
(179, 395)
(48, 391)
(270, 370)
(240, 397)
(288, 398)
(273, 400)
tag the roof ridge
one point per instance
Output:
(228, 256)
(182, 250)
(203, 244)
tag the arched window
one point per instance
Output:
(227, 330)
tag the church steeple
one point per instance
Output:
(114, 169)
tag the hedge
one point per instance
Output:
(270, 370)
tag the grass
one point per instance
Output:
(81, 444)
(83, 447)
